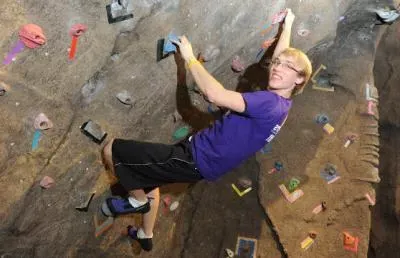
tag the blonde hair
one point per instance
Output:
(304, 63)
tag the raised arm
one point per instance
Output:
(208, 85)
(284, 40)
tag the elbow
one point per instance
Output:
(213, 95)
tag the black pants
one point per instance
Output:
(145, 165)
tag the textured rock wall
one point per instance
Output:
(112, 58)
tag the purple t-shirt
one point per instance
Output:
(237, 136)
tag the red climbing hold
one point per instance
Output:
(32, 36)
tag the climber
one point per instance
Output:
(255, 119)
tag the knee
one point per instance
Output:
(107, 150)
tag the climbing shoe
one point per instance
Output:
(116, 206)
(145, 243)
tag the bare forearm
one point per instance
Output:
(284, 40)
(206, 83)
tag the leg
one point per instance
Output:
(107, 156)
(149, 218)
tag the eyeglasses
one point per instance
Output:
(278, 62)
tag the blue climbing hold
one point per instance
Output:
(322, 119)
(169, 47)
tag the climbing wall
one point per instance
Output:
(88, 68)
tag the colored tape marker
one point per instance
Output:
(72, 51)
(36, 138)
(18, 47)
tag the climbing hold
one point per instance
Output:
(370, 110)
(125, 97)
(278, 166)
(323, 205)
(32, 36)
(93, 131)
(323, 87)
(246, 247)
(181, 132)
(293, 184)
(104, 226)
(350, 138)
(229, 253)
(290, 197)
(350, 242)
(165, 46)
(328, 128)
(306, 243)
(387, 16)
(313, 234)
(211, 53)
(17, 48)
(330, 173)
(303, 32)
(177, 116)
(240, 192)
(245, 182)
(174, 206)
(278, 17)
(266, 149)
(117, 11)
(42, 122)
(371, 199)
(237, 65)
(166, 200)
(75, 31)
(3, 90)
(265, 45)
(322, 119)
(85, 206)
(46, 182)
(319, 208)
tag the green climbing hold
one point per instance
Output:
(181, 132)
(293, 184)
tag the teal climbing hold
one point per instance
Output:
(181, 133)
(293, 184)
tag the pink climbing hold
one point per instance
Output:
(77, 30)
(279, 17)
(32, 36)
(370, 111)
(46, 182)
(42, 122)
(237, 65)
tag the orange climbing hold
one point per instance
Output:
(350, 243)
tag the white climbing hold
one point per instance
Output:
(174, 206)
(124, 97)
(229, 253)
(42, 122)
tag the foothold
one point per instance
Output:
(330, 173)
(323, 205)
(246, 247)
(117, 11)
(210, 53)
(46, 182)
(350, 138)
(93, 131)
(291, 197)
(293, 184)
(350, 243)
(75, 31)
(370, 110)
(240, 192)
(36, 138)
(42, 122)
(306, 243)
(329, 129)
(177, 116)
(322, 119)
(85, 206)
(387, 16)
(278, 17)
(237, 65)
(103, 227)
(32, 36)
(17, 48)
(125, 97)
(371, 199)
(278, 166)
(174, 206)
(229, 253)
(303, 32)
(315, 85)
(266, 149)
(181, 133)
(245, 182)
(312, 234)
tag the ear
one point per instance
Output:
(299, 80)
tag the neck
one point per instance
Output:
(281, 92)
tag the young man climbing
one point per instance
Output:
(254, 120)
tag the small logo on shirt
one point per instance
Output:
(274, 132)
